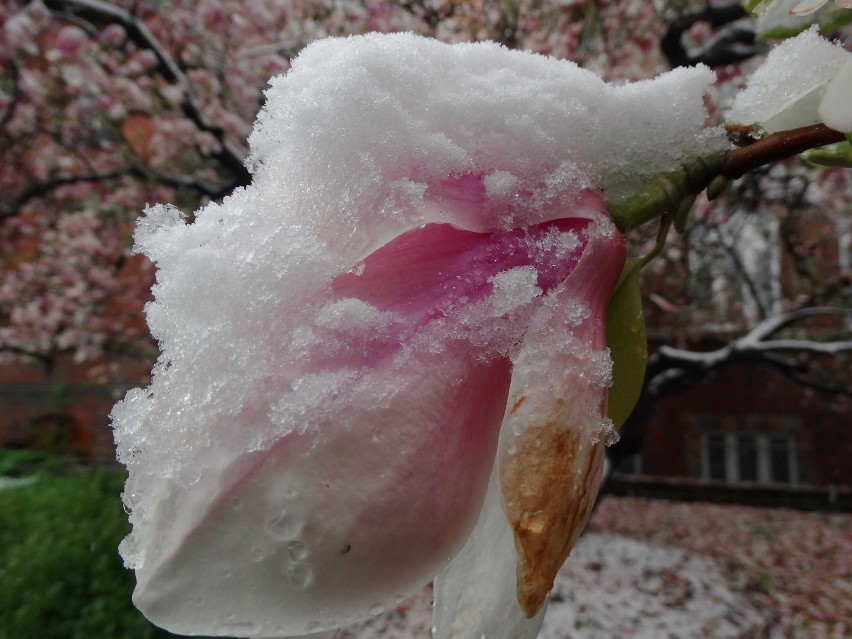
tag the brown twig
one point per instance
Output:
(777, 146)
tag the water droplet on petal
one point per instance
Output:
(300, 575)
(285, 526)
(297, 550)
(376, 609)
(313, 626)
(256, 554)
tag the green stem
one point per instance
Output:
(665, 194)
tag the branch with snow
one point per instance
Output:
(670, 368)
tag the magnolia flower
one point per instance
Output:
(806, 7)
(383, 362)
(458, 333)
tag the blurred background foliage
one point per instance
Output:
(61, 575)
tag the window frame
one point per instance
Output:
(764, 451)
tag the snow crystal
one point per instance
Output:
(785, 92)
(354, 315)
(557, 243)
(500, 183)
(514, 288)
(353, 148)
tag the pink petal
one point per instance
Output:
(437, 265)
(478, 595)
(380, 478)
(70, 39)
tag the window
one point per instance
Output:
(756, 457)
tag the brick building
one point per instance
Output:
(61, 408)
(749, 423)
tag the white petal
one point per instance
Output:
(806, 7)
(800, 112)
(777, 19)
(835, 110)
(784, 93)
(316, 533)
(475, 595)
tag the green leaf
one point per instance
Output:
(750, 5)
(628, 344)
(831, 155)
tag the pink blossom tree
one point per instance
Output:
(106, 106)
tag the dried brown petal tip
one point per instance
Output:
(549, 486)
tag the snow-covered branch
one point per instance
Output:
(671, 369)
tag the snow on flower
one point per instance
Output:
(805, 80)
(384, 360)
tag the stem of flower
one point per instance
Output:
(665, 194)
(776, 147)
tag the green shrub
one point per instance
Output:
(60, 573)
(17, 462)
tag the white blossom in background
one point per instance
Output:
(805, 80)
(806, 7)
(835, 108)
(422, 250)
